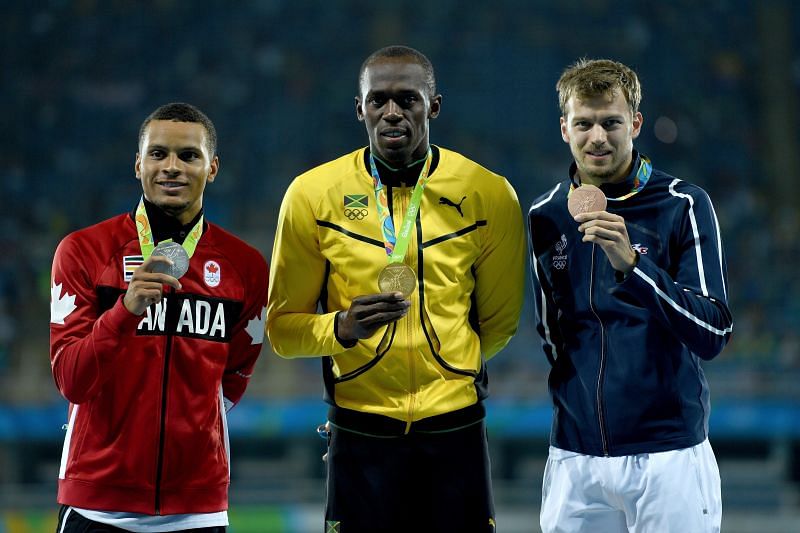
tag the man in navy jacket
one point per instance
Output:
(629, 298)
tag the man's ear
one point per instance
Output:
(359, 110)
(638, 120)
(436, 106)
(214, 169)
(137, 166)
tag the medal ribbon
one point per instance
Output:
(146, 241)
(639, 181)
(397, 244)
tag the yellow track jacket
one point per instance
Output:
(468, 251)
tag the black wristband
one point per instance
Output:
(346, 343)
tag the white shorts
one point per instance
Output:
(676, 491)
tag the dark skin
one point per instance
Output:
(396, 106)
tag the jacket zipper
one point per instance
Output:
(163, 421)
(412, 370)
(599, 397)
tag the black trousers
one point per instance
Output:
(77, 523)
(421, 482)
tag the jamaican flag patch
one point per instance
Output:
(356, 201)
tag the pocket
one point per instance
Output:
(699, 478)
(547, 478)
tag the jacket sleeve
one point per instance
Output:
(297, 275)
(83, 345)
(247, 337)
(692, 301)
(500, 272)
(545, 312)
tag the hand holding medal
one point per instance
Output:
(163, 264)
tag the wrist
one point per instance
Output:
(347, 343)
(622, 275)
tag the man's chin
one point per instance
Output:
(598, 173)
(173, 209)
(394, 156)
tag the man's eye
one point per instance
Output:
(377, 102)
(189, 156)
(157, 154)
(409, 100)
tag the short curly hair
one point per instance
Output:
(181, 112)
(587, 78)
(396, 51)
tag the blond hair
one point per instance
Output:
(588, 78)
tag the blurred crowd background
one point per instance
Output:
(720, 79)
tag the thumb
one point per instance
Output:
(152, 263)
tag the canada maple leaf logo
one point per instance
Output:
(60, 307)
(255, 327)
(212, 268)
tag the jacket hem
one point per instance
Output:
(99, 497)
(384, 426)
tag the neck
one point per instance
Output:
(605, 180)
(166, 225)
(414, 159)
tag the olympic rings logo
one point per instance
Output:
(559, 264)
(356, 214)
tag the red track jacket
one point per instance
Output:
(147, 430)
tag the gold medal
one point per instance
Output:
(397, 277)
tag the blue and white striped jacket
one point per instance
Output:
(625, 353)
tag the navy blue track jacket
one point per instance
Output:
(625, 353)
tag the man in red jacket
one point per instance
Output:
(156, 321)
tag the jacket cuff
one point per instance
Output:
(619, 277)
(120, 320)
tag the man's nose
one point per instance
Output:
(393, 111)
(598, 134)
(172, 165)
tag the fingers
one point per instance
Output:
(596, 215)
(378, 298)
(600, 222)
(390, 304)
(145, 272)
(608, 231)
(146, 287)
(369, 312)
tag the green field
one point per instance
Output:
(243, 520)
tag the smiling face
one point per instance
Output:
(600, 130)
(395, 105)
(174, 165)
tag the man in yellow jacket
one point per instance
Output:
(401, 264)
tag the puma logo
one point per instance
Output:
(447, 201)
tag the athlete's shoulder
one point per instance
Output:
(336, 169)
(550, 200)
(455, 163)
(114, 232)
(675, 187)
(233, 245)
(315, 182)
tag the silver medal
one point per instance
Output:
(178, 256)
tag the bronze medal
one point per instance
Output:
(585, 199)
(397, 277)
